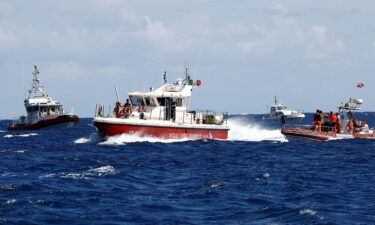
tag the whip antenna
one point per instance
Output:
(117, 96)
(200, 53)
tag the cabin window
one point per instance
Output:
(272, 109)
(179, 102)
(161, 101)
(150, 102)
(33, 109)
(135, 100)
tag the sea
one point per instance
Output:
(73, 176)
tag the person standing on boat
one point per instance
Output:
(173, 110)
(318, 120)
(127, 109)
(338, 123)
(141, 110)
(332, 120)
(350, 126)
(117, 110)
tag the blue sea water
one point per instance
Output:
(256, 177)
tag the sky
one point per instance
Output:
(311, 54)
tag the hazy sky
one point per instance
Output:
(309, 53)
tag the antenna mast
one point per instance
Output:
(36, 87)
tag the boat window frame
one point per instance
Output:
(149, 101)
(132, 100)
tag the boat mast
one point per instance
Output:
(187, 75)
(36, 87)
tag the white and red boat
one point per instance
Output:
(42, 110)
(163, 113)
(348, 126)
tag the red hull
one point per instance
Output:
(48, 122)
(108, 129)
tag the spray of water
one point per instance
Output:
(243, 130)
(132, 138)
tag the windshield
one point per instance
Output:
(135, 100)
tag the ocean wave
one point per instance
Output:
(84, 140)
(104, 170)
(242, 130)
(266, 175)
(10, 201)
(100, 171)
(307, 212)
(132, 138)
(20, 135)
(81, 140)
(8, 187)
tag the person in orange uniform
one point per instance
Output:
(333, 119)
(318, 120)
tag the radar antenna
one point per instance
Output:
(36, 87)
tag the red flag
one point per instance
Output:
(360, 85)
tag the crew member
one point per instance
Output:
(332, 117)
(350, 126)
(173, 110)
(318, 120)
(117, 110)
(127, 111)
(141, 110)
(332, 120)
(338, 123)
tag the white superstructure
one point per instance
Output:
(39, 105)
(279, 113)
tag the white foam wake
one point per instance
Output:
(131, 138)
(81, 140)
(84, 140)
(242, 130)
(20, 135)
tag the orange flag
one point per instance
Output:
(360, 85)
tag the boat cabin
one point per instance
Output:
(346, 112)
(170, 102)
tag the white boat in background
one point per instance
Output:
(280, 114)
(163, 113)
(42, 110)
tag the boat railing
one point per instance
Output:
(188, 116)
(323, 128)
(211, 116)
